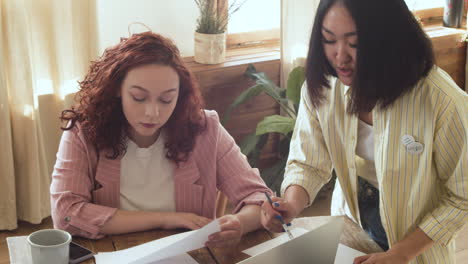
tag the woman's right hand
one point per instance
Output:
(271, 213)
(186, 220)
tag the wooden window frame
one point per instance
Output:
(434, 16)
(430, 16)
(258, 38)
(271, 38)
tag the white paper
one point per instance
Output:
(20, 252)
(181, 259)
(134, 253)
(161, 248)
(267, 245)
(346, 255)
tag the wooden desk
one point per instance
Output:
(353, 236)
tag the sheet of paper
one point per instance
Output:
(191, 242)
(267, 245)
(134, 253)
(162, 248)
(19, 249)
(181, 259)
(346, 255)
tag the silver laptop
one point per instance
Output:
(316, 246)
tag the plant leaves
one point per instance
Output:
(296, 79)
(242, 98)
(274, 175)
(269, 86)
(252, 147)
(250, 69)
(249, 143)
(276, 124)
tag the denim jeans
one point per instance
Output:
(368, 197)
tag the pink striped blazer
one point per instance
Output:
(85, 189)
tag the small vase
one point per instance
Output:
(210, 48)
(453, 13)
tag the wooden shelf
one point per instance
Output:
(237, 57)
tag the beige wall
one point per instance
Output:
(173, 18)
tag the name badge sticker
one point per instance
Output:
(415, 148)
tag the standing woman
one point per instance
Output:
(139, 152)
(392, 125)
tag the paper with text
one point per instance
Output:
(159, 249)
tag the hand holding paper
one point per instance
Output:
(230, 234)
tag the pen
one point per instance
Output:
(286, 228)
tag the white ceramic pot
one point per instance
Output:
(210, 48)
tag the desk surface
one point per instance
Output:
(353, 236)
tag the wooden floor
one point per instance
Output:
(322, 207)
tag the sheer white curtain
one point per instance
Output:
(46, 46)
(297, 17)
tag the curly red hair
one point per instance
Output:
(99, 109)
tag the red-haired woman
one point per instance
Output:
(139, 152)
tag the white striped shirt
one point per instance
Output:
(428, 190)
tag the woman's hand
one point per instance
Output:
(402, 252)
(271, 213)
(389, 257)
(230, 234)
(185, 220)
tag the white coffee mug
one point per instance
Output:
(50, 246)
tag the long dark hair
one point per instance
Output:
(99, 110)
(393, 54)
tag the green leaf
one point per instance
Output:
(270, 88)
(295, 81)
(249, 143)
(250, 70)
(260, 78)
(242, 98)
(274, 175)
(275, 123)
(253, 151)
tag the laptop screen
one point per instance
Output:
(316, 246)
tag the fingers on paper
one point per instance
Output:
(361, 259)
(230, 234)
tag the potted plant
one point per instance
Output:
(210, 33)
(288, 100)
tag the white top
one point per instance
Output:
(147, 178)
(365, 166)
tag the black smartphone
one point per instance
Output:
(79, 253)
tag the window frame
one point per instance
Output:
(430, 16)
(270, 37)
